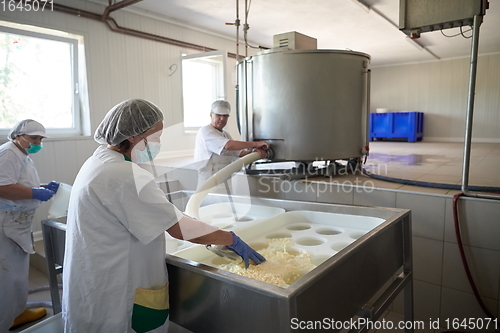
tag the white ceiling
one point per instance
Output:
(336, 24)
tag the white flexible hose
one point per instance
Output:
(42, 304)
(193, 205)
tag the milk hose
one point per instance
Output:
(41, 304)
(193, 205)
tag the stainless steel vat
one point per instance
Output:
(310, 105)
(361, 280)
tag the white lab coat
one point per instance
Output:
(115, 243)
(16, 242)
(209, 152)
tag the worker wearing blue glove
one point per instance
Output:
(20, 195)
(245, 251)
(42, 193)
(53, 186)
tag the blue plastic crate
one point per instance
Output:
(397, 125)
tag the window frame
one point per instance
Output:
(74, 43)
(220, 94)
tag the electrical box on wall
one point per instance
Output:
(417, 16)
(295, 41)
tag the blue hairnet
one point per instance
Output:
(128, 118)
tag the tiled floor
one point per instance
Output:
(37, 280)
(435, 162)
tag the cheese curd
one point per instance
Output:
(281, 268)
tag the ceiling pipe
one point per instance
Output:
(115, 27)
(116, 6)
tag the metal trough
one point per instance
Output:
(354, 285)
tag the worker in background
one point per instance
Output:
(115, 277)
(215, 148)
(20, 195)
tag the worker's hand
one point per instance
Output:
(53, 186)
(41, 193)
(245, 251)
(262, 152)
(261, 144)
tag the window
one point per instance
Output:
(39, 78)
(202, 84)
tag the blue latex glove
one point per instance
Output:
(245, 251)
(53, 186)
(41, 193)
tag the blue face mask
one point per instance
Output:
(149, 153)
(33, 148)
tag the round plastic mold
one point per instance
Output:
(298, 227)
(310, 241)
(329, 231)
(293, 251)
(258, 246)
(245, 219)
(279, 235)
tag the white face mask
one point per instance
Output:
(149, 153)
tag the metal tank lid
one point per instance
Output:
(286, 50)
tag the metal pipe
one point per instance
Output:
(470, 112)
(245, 28)
(131, 32)
(367, 113)
(116, 6)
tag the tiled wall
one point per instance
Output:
(441, 289)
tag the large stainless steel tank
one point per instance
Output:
(309, 104)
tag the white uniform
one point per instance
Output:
(115, 243)
(209, 152)
(16, 242)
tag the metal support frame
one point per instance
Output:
(470, 112)
(54, 234)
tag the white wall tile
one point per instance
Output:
(300, 190)
(335, 193)
(484, 265)
(266, 187)
(427, 213)
(426, 301)
(479, 222)
(374, 197)
(460, 305)
(427, 260)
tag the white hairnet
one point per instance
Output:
(128, 118)
(221, 107)
(27, 126)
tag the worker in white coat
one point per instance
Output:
(20, 195)
(215, 148)
(115, 277)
